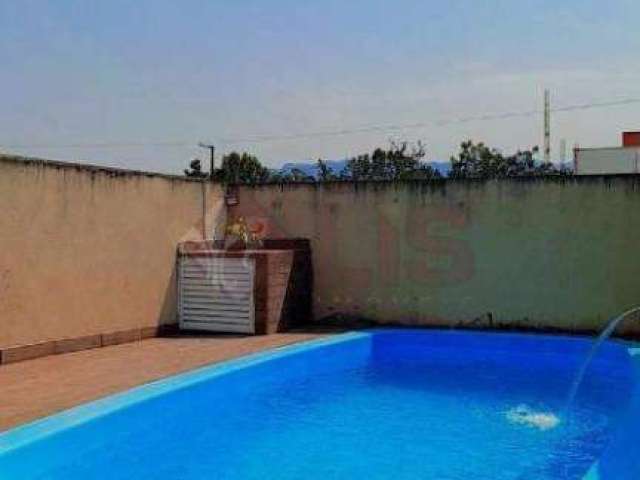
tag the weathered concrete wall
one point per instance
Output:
(85, 250)
(530, 253)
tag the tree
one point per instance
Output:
(195, 169)
(241, 168)
(477, 160)
(278, 176)
(297, 175)
(401, 161)
(325, 173)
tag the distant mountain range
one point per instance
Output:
(338, 166)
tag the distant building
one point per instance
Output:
(631, 139)
(610, 160)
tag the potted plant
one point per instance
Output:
(238, 235)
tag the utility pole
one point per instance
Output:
(212, 151)
(563, 151)
(547, 126)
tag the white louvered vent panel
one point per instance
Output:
(216, 294)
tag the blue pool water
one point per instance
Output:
(383, 404)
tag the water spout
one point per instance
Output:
(604, 335)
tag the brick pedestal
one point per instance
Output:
(283, 282)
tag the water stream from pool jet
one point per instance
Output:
(547, 420)
(604, 335)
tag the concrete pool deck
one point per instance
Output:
(36, 388)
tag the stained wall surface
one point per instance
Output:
(545, 253)
(86, 250)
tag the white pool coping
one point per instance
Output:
(33, 431)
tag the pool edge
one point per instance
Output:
(40, 428)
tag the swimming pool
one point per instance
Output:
(380, 404)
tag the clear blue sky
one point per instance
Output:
(150, 71)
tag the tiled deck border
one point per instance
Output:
(68, 345)
(37, 388)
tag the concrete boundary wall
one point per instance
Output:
(524, 253)
(87, 254)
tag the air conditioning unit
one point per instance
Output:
(256, 291)
(216, 293)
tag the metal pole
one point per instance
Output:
(204, 209)
(212, 150)
(212, 154)
(547, 127)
